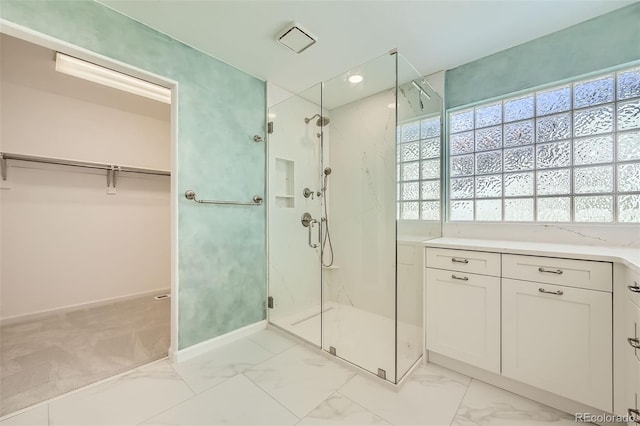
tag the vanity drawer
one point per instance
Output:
(475, 262)
(568, 272)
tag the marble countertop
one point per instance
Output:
(629, 256)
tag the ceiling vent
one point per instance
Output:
(296, 38)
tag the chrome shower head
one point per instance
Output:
(327, 171)
(322, 121)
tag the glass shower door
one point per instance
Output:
(359, 287)
(419, 114)
(294, 215)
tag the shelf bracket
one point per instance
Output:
(112, 179)
(3, 167)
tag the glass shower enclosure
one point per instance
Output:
(339, 277)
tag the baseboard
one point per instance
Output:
(172, 354)
(547, 398)
(55, 311)
(216, 342)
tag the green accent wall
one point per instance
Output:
(221, 249)
(605, 41)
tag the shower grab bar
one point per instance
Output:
(191, 195)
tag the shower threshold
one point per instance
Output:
(293, 324)
(363, 338)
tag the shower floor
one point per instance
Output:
(361, 337)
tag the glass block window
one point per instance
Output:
(569, 153)
(419, 170)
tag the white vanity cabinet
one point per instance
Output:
(632, 350)
(558, 337)
(543, 322)
(463, 306)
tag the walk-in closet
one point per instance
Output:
(84, 224)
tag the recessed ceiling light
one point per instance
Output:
(355, 78)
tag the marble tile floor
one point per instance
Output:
(49, 356)
(270, 379)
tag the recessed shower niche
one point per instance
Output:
(284, 183)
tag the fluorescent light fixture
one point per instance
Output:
(355, 78)
(105, 76)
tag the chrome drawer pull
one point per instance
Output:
(550, 271)
(455, 277)
(557, 293)
(634, 342)
(634, 288)
(454, 260)
(634, 414)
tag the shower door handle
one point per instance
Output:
(308, 222)
(314, 222)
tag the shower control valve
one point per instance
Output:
(308, 193)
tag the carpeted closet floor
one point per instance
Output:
(48, 356)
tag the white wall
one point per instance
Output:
(436, 80)
(276, 94)
(48, 113)
(64, 241)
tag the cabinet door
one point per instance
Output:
(633, 329)
(463, 317)
(633, 395)
(558, 339)
(632, 361)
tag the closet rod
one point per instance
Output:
(86, 164)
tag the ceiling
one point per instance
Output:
(28, 65)
(432, 35)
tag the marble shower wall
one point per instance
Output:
(362, 206)
(221, 249)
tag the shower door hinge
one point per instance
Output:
(270, 302)
(270, 127)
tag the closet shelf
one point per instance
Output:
(4, 156)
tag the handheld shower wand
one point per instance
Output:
(327, 235)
